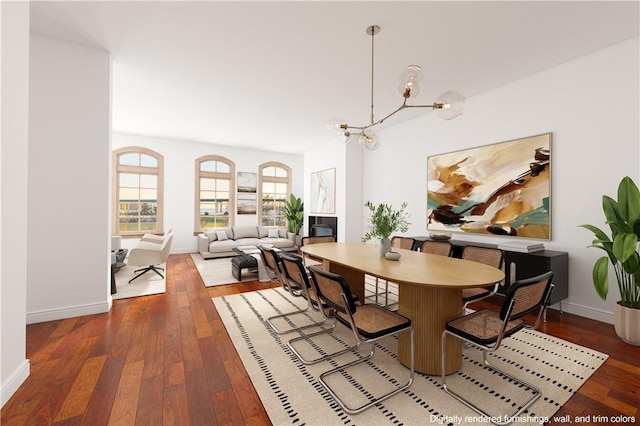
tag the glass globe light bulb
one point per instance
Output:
(410, 82)
(452, 105)
(334, 126)
(369, 141)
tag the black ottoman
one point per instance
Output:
(238, 263)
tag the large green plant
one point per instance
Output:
(384, 220)
(623, 218)
(294, 213)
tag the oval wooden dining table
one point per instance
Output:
(430, 293)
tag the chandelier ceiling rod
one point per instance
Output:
(448, 105)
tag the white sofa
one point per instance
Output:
(220, 242)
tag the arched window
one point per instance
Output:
(275, 187)
(137, 191)
(215, 192)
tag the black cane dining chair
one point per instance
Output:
(406, 243)
(273, 264)
(489, 256)
(486, 329)
(441, 248)
(369, 323)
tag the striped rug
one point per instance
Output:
(292, 394)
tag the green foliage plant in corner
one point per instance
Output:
(621, 247)
(294, 213)
(384, 220)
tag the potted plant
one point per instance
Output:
(621, 247)
(294, 213)
(384, 220)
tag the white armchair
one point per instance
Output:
(153, 238)
(150, 256)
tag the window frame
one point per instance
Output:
(215, 175)
(158, 171)
(262, 178)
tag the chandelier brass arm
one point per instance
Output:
(449, 105)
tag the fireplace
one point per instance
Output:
(320, 226)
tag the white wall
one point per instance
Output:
(179, 180)
(69, 158)
(347, 160)
(14, 367)
(591, 105)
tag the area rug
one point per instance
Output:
(218, 271)
(147, 284)
(291, 393)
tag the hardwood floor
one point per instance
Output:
(167, 359)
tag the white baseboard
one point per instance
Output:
(68, 312)
(14, 381)
(588, 312)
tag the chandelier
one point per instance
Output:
(447, 106)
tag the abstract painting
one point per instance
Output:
(247, 203)
(323, 191)
(247, 182)
(498, 189)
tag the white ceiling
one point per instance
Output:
(268, 75)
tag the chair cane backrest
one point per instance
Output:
(488, 256)
(271, 261)
(317, 240)
(333, 290)
(441, 248)
(402, 242)
(526, 296)
(294, 270)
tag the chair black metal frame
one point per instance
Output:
(305, 241)
(487, 328)
(273, 265)
(488, 256)
(333, 290)
(441, 248)
(407, 243)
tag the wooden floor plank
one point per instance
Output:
(168, 359)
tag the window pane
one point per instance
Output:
(223, 185)
(149, 195)
(207, 195)
(269, 171)
(129, 180)
(130, 159)
(148, 161)
(129, 194)
(148, 181)
(208, 166)
(223, 167)
(127, 225)
(148, 209)
(148, 224)
(280, 172)
(207, 184)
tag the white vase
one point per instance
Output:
(385, 246)
(627, 324)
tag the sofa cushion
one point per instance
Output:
(221, 236)
(211, 233)
(222, 246)
(245, 232)
(281, 243)
(273, 233)
(248, 241)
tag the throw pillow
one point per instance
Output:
(273, 233)
(221, 235)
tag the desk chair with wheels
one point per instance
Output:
(486, 329)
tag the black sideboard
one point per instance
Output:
(518, 265)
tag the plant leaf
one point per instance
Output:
(601, 277)
(629, 200)
(624, 246)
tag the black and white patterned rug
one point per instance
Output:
(292, 394)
